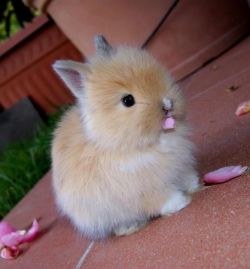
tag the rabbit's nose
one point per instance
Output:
(167, 105)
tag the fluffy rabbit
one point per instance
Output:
(116, 163)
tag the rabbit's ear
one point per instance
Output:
(73, 74)
(102, 46)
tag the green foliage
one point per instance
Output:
(23, 164)
(13, 15)
(14, 27)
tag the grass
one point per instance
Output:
(23, 164)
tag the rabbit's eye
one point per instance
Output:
(128, 100)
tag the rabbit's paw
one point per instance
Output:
(128, 229)
(177, 201)
(194, 183)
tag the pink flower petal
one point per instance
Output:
(5, 228)
(168, 123)
(12, 239)
(224, 174)
(9, 253)
(15, 238)
(32, 232)
(243, 108)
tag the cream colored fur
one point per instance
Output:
(114, 167)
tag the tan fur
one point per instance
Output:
(114, 166)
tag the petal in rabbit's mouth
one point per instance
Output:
(168, 121)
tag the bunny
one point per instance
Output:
(121, 155)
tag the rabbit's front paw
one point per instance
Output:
(177, 201)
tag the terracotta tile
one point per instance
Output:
(40, 197)
(223, 71)
(58, 245)
(197, 31)
(214, 231)
(222, 137)
(180, 42)
(128, 22)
